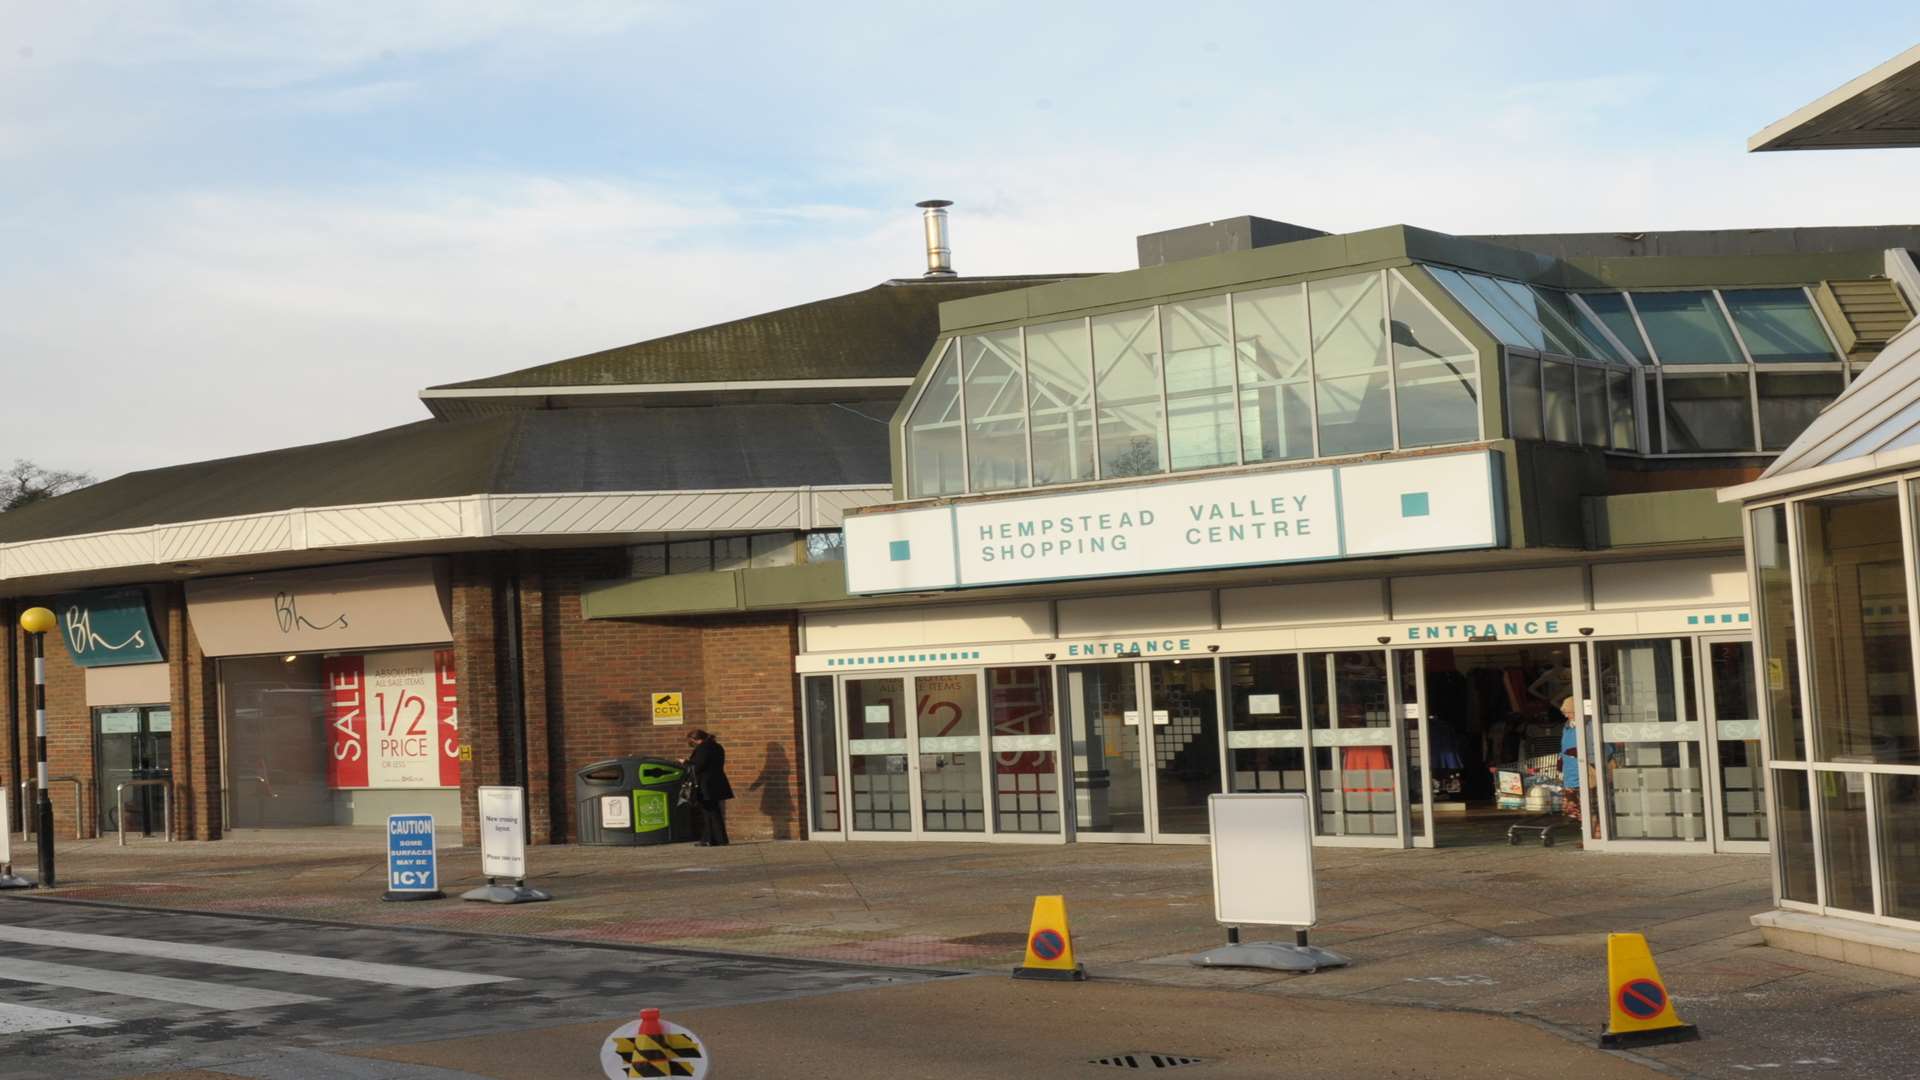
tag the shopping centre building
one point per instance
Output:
(1831, 547)
(1042, 559)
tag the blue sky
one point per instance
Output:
(226, 227)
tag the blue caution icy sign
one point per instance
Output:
(413, 866)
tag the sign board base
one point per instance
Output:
(395, 897)
(506, 894)
(14, 881)
(1271, 955)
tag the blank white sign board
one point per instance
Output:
(1262, 859)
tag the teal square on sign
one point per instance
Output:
(899, 550)
(1413, 504)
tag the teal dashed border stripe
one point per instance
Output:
(1719, 619)
(905, 658)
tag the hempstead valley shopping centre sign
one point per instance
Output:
(1444, 502)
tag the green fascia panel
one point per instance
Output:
(793, 586)
(1217, 273)
(675, 594)
(1701, 271)
(1425, 245)
(1661, 517)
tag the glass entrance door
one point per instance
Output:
(1648, 768)
(1738, 771)
(1145, 740)
(916, 761)
(131, 743)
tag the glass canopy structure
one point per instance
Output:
(1364, 363)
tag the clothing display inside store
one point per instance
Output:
(1494, 720)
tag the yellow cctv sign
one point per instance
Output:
(668, 708)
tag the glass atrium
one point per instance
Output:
(1364, 363)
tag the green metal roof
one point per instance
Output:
(882, 332)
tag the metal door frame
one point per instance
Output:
(1710, 707)
(1597, 797)
(1149, 796)
(917, 830)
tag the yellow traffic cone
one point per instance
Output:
(1639, 1009)
(1049, 943)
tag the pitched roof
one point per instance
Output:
(1880, 109)
(1878, 413)
(882, 332)
(669, 448)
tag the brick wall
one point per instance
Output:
(588, 685)
(69, 726)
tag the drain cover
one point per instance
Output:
(1141, 1059)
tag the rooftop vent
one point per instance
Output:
(933, 214)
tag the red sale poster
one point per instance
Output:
(346, 690)
(447, 710)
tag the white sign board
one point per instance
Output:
(1262, 859)
(6, 834)
(503, 837)
(1430, 503)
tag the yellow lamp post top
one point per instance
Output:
(38, 620)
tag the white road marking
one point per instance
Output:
(219, 997)
(417, 978)
(18, 1018)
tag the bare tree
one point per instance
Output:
(24, 482)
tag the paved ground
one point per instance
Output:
(1487, 929)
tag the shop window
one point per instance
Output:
(1612, 310)
(1265, 743)
(1843, 840)
(1897, 807)
(1350, 364)
(1593, 406)
(1779, 659)
(948, 742)
(1026, 766)
(1348, 691)
(1435, 371)
(1793, 836)
(823, 756)
(1199, 383)
(826, 545)
(646, 560)
(773, 549)
(689, 557)
(936, 464)
(1127, 389)
(1558, 391)
(732, 553)
(1060, 397)
(1862, 661)
(876, 731)
(996, 404)
(1707, 413)
(1687, 328)
(1790, 400)
(1778, 326)
(1625, 417)
(1276, 419)
(1523, 396)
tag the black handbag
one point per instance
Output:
(689, 790)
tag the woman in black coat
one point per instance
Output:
(708, 764)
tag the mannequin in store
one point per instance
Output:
(1553, 685)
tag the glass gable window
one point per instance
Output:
(995, 395)
(1275, 374)
(1687, 328)
(1779, 326)
(1127, 390)
(936, 452)
(1350, 364)
(1200, 413)
(1060, 399)
(1435, 372)
(1276, 418)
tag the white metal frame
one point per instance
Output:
(1597, 797)
(1710, 708)
(917, 829)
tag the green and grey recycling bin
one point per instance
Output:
(629, 801)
